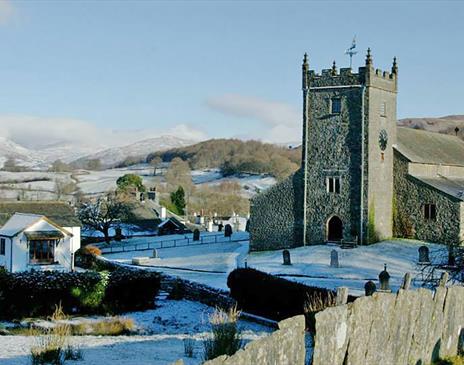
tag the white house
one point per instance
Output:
(34, 241)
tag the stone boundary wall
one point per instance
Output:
(286, 346)
(410, 327)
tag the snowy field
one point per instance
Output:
(166, 327)
(210, 264)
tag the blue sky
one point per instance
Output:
(210, 69)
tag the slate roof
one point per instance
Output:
(18, 222)
(450, 186)
(428, 147)
(59, 212)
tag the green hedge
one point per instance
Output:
(36, 293)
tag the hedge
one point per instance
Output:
(36, 293)
(273, 297)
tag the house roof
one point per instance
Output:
(20, 222)
(59, 212)
(430, 148)
(173, 221)
(451, 186)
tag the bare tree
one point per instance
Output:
(155, 163)
(104, 213)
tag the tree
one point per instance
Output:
(60, 166)
(178, 199)
(63, 188)
(94, 164)
(130, 181)
(103, 213)
(178, 174)
(156, 162)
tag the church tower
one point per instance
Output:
(349, 128)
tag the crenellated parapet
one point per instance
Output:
(366, 75)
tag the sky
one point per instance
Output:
(114, 72)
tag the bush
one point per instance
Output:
(85, 257)
(34, 293)
(275, 298)
(226, 338)
(130, 290)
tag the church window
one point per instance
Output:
(2, 246)
(430, 212)
(333, 184)
(336, 105)
(383, 109)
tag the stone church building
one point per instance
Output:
(362, 178)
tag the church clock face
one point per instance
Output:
(383, 139)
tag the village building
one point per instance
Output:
(362, 178)
(43, 241)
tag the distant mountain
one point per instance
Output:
(22, 155)
(446, 125)
(113, 156)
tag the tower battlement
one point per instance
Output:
(367, 75)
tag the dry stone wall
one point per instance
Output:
(410, 327)
(286, 346)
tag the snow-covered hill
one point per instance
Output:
(68, 152)
(112, 156)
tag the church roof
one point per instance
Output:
(430, 148)
(450, 186)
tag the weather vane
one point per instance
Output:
(351, 51)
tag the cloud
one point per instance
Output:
(38, 132)
(7, 10)
(283, 121)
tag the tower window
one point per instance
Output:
(383, 109)
(430, 212)
(333, 184)
(336, 105)
(2, 246)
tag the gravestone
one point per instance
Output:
(334, 259)
(196, 235)
(286, 257)
(118, 234)
(384, 279)
(220, 226)
(424, 255)
(370, 288)
(155, 254)
(227, 230)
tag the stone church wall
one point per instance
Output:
(275, 215)
(410, 327)
(410, 195)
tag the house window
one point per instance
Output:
(383, 109)
(333, 184)
(2, 246)
(42, 251)
(336, 105)
(430, 212)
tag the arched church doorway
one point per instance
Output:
(334, 229)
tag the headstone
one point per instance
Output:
(334, 259)
(227, 230)
(163, 213)
(118, 234)
(451, 256)
(155, 254)
(384, 279)
(370, 288)
(220, 227)
(210, 226)
(424, 255)
(196, 235)
(286, 257)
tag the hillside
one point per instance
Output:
(136, 151)
(446, 124)
(233, 156)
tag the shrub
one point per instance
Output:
(226, 338)
(85, 257)
(35, 293)
(115, 326)
(131, 290)
(272, 297)
(177, 291)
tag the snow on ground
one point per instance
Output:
(310, 265)
(167, 327)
